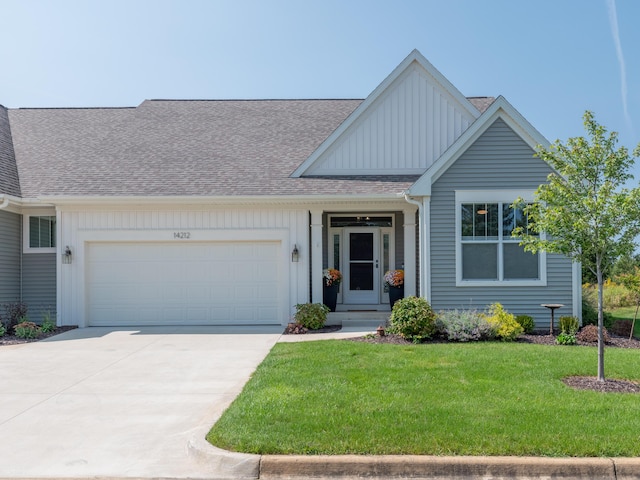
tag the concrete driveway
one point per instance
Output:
(104, 402)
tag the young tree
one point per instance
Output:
(584, 211)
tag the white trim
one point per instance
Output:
(425, 253)
(492, 196)
(577, 289)
(26, 248)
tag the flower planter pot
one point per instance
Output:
(395, 294)
(330, 296)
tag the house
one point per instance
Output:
(188, 212)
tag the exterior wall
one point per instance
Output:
(78, 226)
(404, 131)
(39, 284)
(10, 248)
(499, 159)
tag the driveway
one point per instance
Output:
(105, 402)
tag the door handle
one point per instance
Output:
(376, 263)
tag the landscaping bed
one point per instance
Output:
(15, 340)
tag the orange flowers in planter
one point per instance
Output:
(331, 277)
(394, 278)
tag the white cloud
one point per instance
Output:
(613, 23)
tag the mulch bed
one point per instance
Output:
(13, 340)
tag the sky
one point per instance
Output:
(551, 59)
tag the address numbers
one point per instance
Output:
(182, 235)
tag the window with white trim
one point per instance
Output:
(40, 233)
(487, 252)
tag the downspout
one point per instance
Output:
(420, 242)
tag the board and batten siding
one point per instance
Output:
(10, 248)
(205, 223)
(405, 130)
(499, 159)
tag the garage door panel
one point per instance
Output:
(173, 284)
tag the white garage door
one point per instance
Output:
(214, 283)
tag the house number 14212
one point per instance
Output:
(182, 235)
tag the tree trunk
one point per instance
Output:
(600, 323)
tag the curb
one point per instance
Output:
(284, 467)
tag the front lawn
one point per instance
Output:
(341, 397)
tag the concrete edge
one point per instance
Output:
(225, 464)
(284, 467)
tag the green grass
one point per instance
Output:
(339, 397)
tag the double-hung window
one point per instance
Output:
(486, 251)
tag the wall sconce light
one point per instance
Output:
(66, 255)
(295, 254)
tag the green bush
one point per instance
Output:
(48, 325)
(26, 329)
(412, 318)
(311, 315)
(2, 330)
(507, 329)
(566, 339)
(526, 322)
(590, 315)
(464, 326)
(569, 325)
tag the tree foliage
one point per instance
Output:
(585, 211)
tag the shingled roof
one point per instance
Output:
(180, 148)
(9, 183)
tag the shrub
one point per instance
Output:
(26, 329)
(412, 318)
(311, 315)
(622, 328)
(2, 330)
(526, 322)
(464, 326)
(615, 295)
(48, 325)
(566, 339)
(569, 325)
(590, 315)
(507, 329)
(13, 313)
(589, 334)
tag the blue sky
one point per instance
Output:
(551, 59)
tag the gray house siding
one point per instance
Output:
(499, 159)
(10, 228)
(39, 284)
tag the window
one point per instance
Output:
(486, 250)
(40, 233)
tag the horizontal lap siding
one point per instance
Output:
(499, 159)
(39, 284)
(10, 226)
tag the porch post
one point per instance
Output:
(316, 256)
(409, 251)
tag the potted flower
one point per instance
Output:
(394, 281)
(331, 280)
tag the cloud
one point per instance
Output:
(613, 23)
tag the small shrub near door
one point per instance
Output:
(413, 319)
(311, 315)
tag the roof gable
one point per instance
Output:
(404, 125)
(500, 109)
